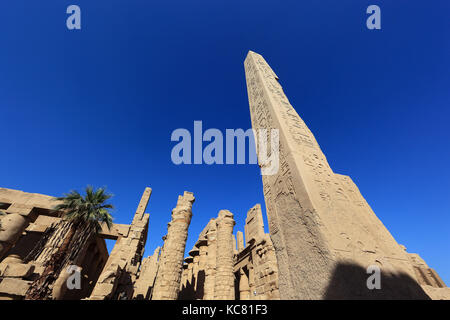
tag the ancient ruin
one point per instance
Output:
(120, 272)
(215, 269)
(324, 233)
(168, 277)
(323, 239)
(29, 232)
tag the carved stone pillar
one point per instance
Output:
(203, 248)
(210, 269)
(244, 289)
(120, 272)
(224, 284)
(240, 241)
(201, 275)
(235, 251)
(167, 283)
(195, 263)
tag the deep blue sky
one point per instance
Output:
(98, 106)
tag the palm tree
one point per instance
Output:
(91, 209)
(83, 215)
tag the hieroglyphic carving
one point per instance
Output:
(316, 219)
(288, 220)
(296, 127)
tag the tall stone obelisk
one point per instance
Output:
(324, 232)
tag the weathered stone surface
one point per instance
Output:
(13, 225)
(224, 282)
(208, 270)
(14, 287)
(437, 293)
(145, 282)
(117, 231)
(240, 241)
(322, 229)
(120, 272)
(21, 209)
(168, 278)
(256, 263)
(41, 223)
(254, 224)
(211, 260)
(16, 270)
(103, 290)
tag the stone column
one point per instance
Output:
(190, 272)
(203, 248)
(13, 225)
(183, 277)
(196, 255)
(240, 241)
(244, 289)
(210, 269)
(201, 275)
(251, 282)
(235, 251)
(167, 283)
(224, 284)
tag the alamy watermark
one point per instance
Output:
(213, 153)
(73, 282)
(374, 280)
(373, 22)
(73, 22)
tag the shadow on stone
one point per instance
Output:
(349, 282)
(200, 285)
(188, 292)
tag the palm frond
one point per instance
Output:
(90, 208)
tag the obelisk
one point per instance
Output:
(324, 232)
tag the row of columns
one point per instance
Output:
(208, 271)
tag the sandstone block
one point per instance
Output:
(13, 286)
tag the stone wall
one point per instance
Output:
(256, 264)
(146, 278)
(120, 273)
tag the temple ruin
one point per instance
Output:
(248, 272)
(323, 236)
